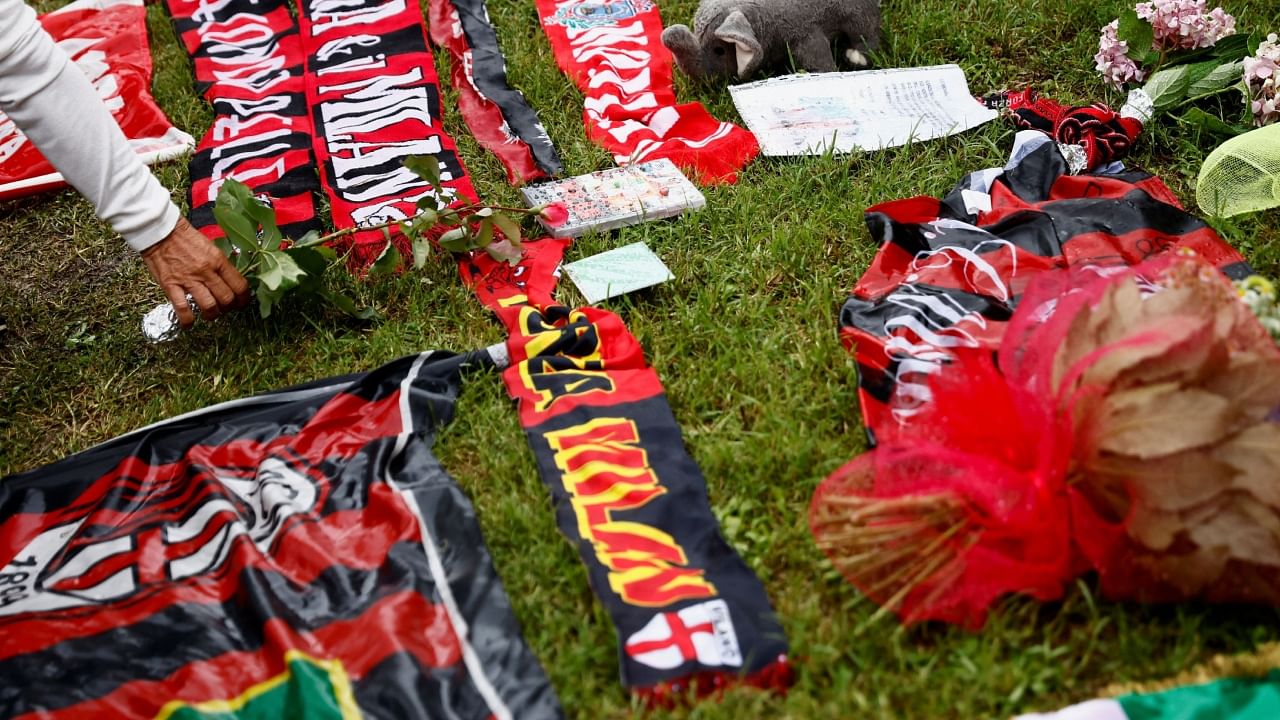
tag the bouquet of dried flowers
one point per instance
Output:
(1129, 427)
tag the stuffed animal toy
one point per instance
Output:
(738, 37)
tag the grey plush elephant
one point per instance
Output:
(737, 37)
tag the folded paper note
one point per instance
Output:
(868, 110)
(617, 272)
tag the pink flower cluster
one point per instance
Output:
(1113, 58)
(1184, 24)
(1260, 73)
(1177, 25)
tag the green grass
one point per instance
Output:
(744, 340)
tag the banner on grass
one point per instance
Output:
(375, 101)
(107, 40)
(248, 65)
(205, 567)
(686, 608)
(498, 116)
(612, 49)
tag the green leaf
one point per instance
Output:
(225, 247)
(484, 235)
(1210, 123)
(426, 218)
(347, 305)
(421, 251)
(426, 167)
(233, 218)
(1168, 87)
(311, 238)
(456, 240)
(1139, 35)
(267, 300)
(509, 228)
(1219, 77)
(388, 261)
(278, 271)
(313, 263)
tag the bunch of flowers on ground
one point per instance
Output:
(1260, 76)
(1185, 52)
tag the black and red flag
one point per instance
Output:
(950, 271)
(295, 554)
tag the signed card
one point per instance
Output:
(617, 272)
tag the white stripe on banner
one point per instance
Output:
(1091, 710)
(474, 667)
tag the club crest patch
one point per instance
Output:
(596, 13)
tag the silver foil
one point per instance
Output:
(1138, 106)
(161, 324)
(1076, 157)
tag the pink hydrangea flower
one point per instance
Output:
(1260, 73)
(1113, 60)
(1184, 24)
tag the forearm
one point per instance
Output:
(56, 106)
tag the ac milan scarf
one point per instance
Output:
(613, 51)
(949, 272)
(204, 567)
(1103, 134)
(374, 99)
(686, 608)
(498, 116)
(107, 39)
(248, 65)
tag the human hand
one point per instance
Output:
(185, 262)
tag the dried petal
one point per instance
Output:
(1191, 573)
(1161, 419)
(1153, 528)
(1173, 482)
(1175, 341)
(1246, 527)
(1255, 454)
(1251, 382)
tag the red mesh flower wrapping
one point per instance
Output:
(1126, 431)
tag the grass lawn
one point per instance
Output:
(744, 340)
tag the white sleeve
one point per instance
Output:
(52, 102)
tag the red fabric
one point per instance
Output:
(614, 53)
(248, 65)
(483, 117)
(995, 445)
(373, 93)
(1102, 132)
(113, 40)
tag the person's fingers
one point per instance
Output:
(178, 298)
(209, 309)
(235, 281)
(226, 299)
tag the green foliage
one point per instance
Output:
(1138, 34)
(277, 267)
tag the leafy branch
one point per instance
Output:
(276, 266)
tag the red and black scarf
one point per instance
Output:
(612, 49)
(248, 64)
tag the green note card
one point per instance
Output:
(617, 272)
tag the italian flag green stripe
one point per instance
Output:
(1227, 699)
